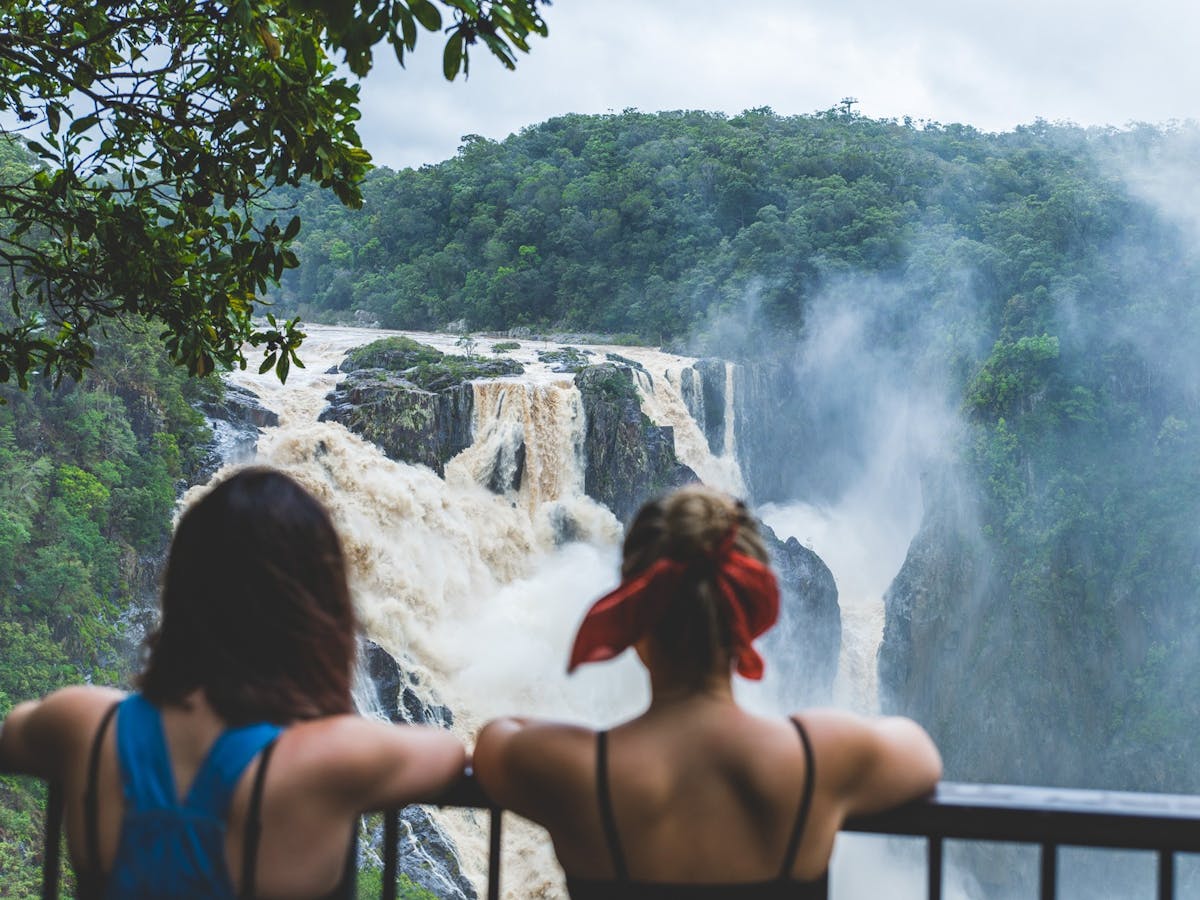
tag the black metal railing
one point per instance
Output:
(1047, 818)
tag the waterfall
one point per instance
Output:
(658, 380)
(528, 446)
(730, 442)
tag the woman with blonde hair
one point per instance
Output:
(697, 797)
(239, 768)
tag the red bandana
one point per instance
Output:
(619, 619)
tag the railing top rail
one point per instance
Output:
(1002, 812)
(999, 812)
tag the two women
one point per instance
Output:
(238, 769)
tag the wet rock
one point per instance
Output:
(769, 445)
(427, 855)
(807, 640)
(236, 420)
(507, 470)
(411, 400)
(702, 387)
(629, 459)
(240, 407)
(408, 423)
(564, 359)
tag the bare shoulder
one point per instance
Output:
(528, 765)
(872, 763)
(41, 736)
(531, 744)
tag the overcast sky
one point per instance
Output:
(992, 64)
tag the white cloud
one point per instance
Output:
(990, 64)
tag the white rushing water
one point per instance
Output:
(468, 589)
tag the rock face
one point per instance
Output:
(808, 638)
(408, 423)
(768, 444)
(413, 401)
(240, 406)
(936, 652)
(427, 855)
(235, 421)
(629, 459)
(703, 387)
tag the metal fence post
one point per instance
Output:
(934, 875)
(494, 855)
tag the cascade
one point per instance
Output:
(527, 434)
(658, 382)
(730, 442)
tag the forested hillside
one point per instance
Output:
(1038, 287)
(651, 223)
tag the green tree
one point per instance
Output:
(147, 133)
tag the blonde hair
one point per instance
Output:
(688, 525)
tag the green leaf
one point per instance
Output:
(293, 229)
(308, 51)
(426, 13)
(408, 30)
(452, 56)
(39, 149)
(267, 363)
(82, 124)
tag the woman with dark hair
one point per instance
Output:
(697, 797)
(239, 768)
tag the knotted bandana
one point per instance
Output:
(619, 619)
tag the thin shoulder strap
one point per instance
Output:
(604, 798)
(91, 803)
(789, 858)
(254, 824)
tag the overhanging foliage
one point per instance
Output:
(149, 132)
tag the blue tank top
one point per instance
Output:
(168, 848)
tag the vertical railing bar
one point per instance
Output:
(52, 846)
(391, 853)
(1166, 875)
(494, 856)
(1049, 876)
(935, 867)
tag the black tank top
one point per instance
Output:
(780, 888)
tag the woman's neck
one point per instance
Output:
(667, 691)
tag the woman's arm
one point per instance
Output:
(18, 738)
(372, 765)
(38, 735)
(873, 764)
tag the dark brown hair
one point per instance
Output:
(687, 525)
(256, 610)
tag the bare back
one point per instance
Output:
(700, 795)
